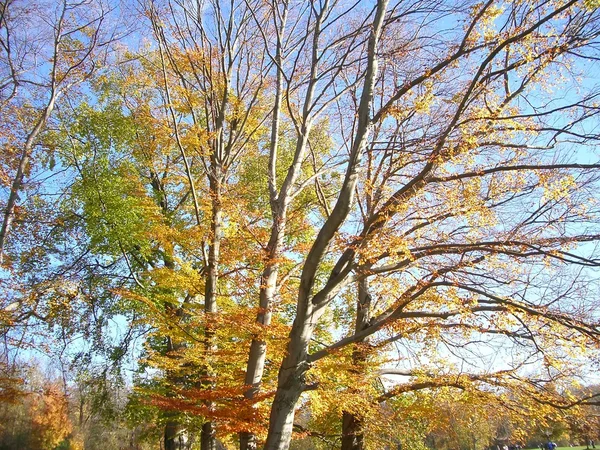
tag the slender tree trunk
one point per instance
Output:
(352, 423)
(174, 435)
(258, 347)
(210, 292)
(17, 182)
(352, 435)
(172, 427)
(208, 439)
(268, 285)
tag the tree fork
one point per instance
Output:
(295, 364)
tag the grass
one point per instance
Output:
(583, 447)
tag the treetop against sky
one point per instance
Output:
(281, 202)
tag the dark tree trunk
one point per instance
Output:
(352, 435)
(247, 441)
(352, 423)
(174, 436)
(208, 440)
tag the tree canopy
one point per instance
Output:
(325, 223)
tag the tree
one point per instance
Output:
(54, 293)
(463, 269)
(38, 418)
(47, 50)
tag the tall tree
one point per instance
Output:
(461, 138)
(47, 50)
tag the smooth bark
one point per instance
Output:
(295, 364)
(268, 285)
(353, 423)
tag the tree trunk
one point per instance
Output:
(247, 441)
(291, 378)
(208, 439)
(174, 436)
(352, 435)
(352, 423)
(17, 182)
(268, 286)
(258, 347)
(281, 421)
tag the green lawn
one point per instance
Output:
(572, 448)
